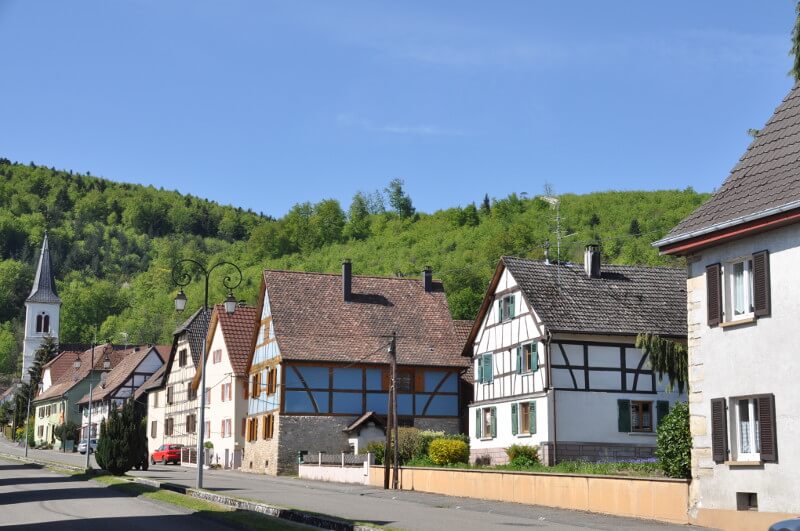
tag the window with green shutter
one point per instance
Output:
(488, 374)
(514, 420)
(520, 363)
(493, 422)
(532, 421)
(624, 415)
(478, 422)
(479, 363)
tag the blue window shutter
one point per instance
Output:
(494, 422)
(500, 311)
(532, 406)
(519, 359)
(514, 420)
(511, 308)
(488, 371)
(478, 423)
(535, 356)
(480, 369)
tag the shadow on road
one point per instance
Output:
(26, 466)
(77, 493)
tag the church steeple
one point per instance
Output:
(42, 309)
(44, 286)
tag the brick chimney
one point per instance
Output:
(347, 280)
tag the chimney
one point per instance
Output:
(347, 280)
(547, 252)
(591, 261)
(427, 279)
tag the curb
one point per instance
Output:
(293, 515)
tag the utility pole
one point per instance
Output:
(391, 419)
(393, 353)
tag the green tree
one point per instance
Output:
(328, 221)
(399, 199)
(15, 282)
(119, 447)
(634, 229)
(486, 205)
(358, 224)
(667, 357)
(674, 442)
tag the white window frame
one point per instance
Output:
(728, 291)
(753, 435)
(505, 307)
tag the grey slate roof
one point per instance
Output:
(765, 180)
(196, 327)
(626, 300)
(44, 286)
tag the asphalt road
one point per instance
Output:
(35, 498)
(397, 509)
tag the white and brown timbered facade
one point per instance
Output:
(742, 249)
(320, 364)
(555, 369)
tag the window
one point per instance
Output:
(486, 423)
(41, 412)
(527, 358)
(153, 429)
(256, 383)
(252, 429)
(223, 392)
(207, 431)
(38, 323)
(182, 358)
(170, 394)
(208, 395)
(191, 393)
(41, 431)
(244, 428)
(272, 381)
(641, 416)
(267, 426)
(485, 370)
(226, 427)
(523, 418)
(405, 381)
(155, 398)
(747, 426)
(169, 425)
(738, 289)
(505, 308)
(217, 355)
(46, 325)
(191, 423)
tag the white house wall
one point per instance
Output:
(750, 359)
(217, 410)
(180, 378)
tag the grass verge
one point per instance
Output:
(228, 515)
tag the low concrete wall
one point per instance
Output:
(337, 474)
(732, 520)
(651, 498)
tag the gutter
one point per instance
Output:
(726, 224)
(548, 388)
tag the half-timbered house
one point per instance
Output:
(742, 249)
(555, 363)
(320, 363)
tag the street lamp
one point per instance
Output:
(182, 279)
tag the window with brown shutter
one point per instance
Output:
(719, 430)
(761, 289)
(713, 294)
(766, 427)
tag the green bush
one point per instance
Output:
(448, 451)
(674, 442)
(523, 452)
(423, 441)
(376, 448)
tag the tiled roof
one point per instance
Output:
(44, 286)
(237, 330)
(313, 322)
(71, 377)
(765, 180)
(363, 419)
(60, 364)
(196, 327)
(625, 300)
(117, 376)
(463, 328)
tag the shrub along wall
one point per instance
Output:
(652, 498)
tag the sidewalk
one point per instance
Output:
(397, 509)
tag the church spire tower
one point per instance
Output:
(42, 308)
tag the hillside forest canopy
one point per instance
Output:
(113, 245)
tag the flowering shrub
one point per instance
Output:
(448, 451)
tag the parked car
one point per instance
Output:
(92, 446)
(792, 524)
(167, 453)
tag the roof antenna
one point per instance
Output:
(554, 201)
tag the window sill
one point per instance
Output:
(642, 433)
(738, 322)
(524, 435)
(486, 439)
(735, 464)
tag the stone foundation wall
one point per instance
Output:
(313, 434)
(488, 456)
(261, 455)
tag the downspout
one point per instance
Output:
(549, 387)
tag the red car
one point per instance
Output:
(166, 453)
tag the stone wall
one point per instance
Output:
(261, 455)
(570, 451)
(446, 425)
(312, 434)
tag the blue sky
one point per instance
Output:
(264, 104)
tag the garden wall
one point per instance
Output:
(651, 498)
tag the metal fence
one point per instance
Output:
(342, 459)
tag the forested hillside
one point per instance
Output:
(113, 245)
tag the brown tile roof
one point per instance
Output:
(117, 376)
(463, 328)
(313, 322)
(60, 364)
(765, 180)
(72, 376)
(238, 330)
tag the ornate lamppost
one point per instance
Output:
(183, 279)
